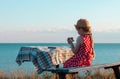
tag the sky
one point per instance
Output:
(52, 21)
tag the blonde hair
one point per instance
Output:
(84, 24)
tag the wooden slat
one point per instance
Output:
(74, 70)
(77, 69)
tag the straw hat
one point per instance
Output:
(82, 23)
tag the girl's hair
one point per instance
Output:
(83, 24)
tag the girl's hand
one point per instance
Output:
(70, 41)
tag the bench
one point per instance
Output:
(62, 72)
(29, 54)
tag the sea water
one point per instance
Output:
(105, 53)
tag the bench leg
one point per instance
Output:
(58, 76)
(117, 72)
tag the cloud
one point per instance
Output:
(53, 29)
(61, 29)
(105, 30)
(36, 35)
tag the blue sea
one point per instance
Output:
(105, 53)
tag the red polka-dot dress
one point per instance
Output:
(84, 55)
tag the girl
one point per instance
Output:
(84, 49)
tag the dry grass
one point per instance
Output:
(106, 74)
(99, 74)
(19, 75)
